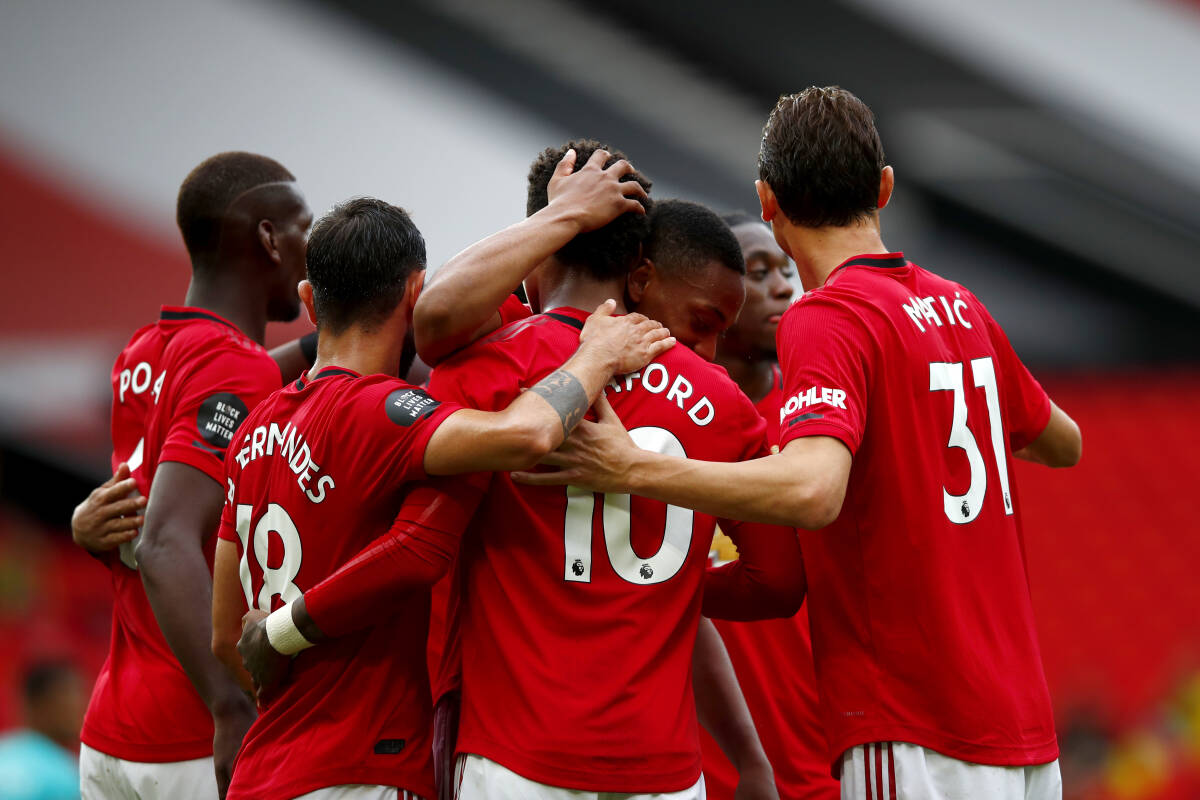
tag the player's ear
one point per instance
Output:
(266, 238)
(767, 199)
(413, 285)
(305, 290)
(638, 279)
(887, 182)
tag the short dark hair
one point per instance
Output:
(822, 157)
(608, 252)
(359, 256)
(211, 187)
(43, 677)
(685, 236)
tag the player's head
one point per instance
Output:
(242, 214)
(606, 253)
(820, 162)
(54, 700)
(366, 263)
(768, 290)
(690, 279)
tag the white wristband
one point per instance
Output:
(283, 634)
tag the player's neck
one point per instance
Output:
(819, 251)
(375, 352)
(583, 293)
(241, 305)
(754, 376)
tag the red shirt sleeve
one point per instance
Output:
(1026, 404)
(480, 377)
(413, 554)
(512, 310)
(767, 579)
(825, 355)
(213, 402)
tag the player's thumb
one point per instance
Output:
(604, 410)
(121, 474)
(606, 308)
(567, 165)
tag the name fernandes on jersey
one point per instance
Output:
(263, 441)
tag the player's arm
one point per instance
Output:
(227, 609)
(540, 419)
(413, 554)
(1059, 445)
(296, 357)
(723, 713)
(110, 515)
(460, 302)
(766, 581)
(184, 509)
(803, 486)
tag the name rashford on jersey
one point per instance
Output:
(578, 610)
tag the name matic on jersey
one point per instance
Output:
(923, 311)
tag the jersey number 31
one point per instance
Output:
(963, 508)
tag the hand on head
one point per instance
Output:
(595, 195)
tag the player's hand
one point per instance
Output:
(111, 514)
(598, 456)
(230, 724)
(627, 343)
(595, 196)
(756, 783)
(266, 665)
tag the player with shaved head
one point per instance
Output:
(163, 706)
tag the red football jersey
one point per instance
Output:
(774, 666)
(181, 388)
(922, 625)
(319, 472)
(578, 611)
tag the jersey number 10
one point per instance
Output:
(616, 522)
(963, 508)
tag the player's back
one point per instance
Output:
(922, 623)
(320, 471)
(580, 610)
(181, 387)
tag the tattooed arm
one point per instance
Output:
(540, 420)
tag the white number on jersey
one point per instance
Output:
(276, 580)
(963, 508)
(616, 521)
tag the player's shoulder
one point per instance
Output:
(712, 395)
(220, 351)
(712, 376)
(381, 397)
(519, 344)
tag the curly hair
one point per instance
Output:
(607, 252)
(822, 157)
